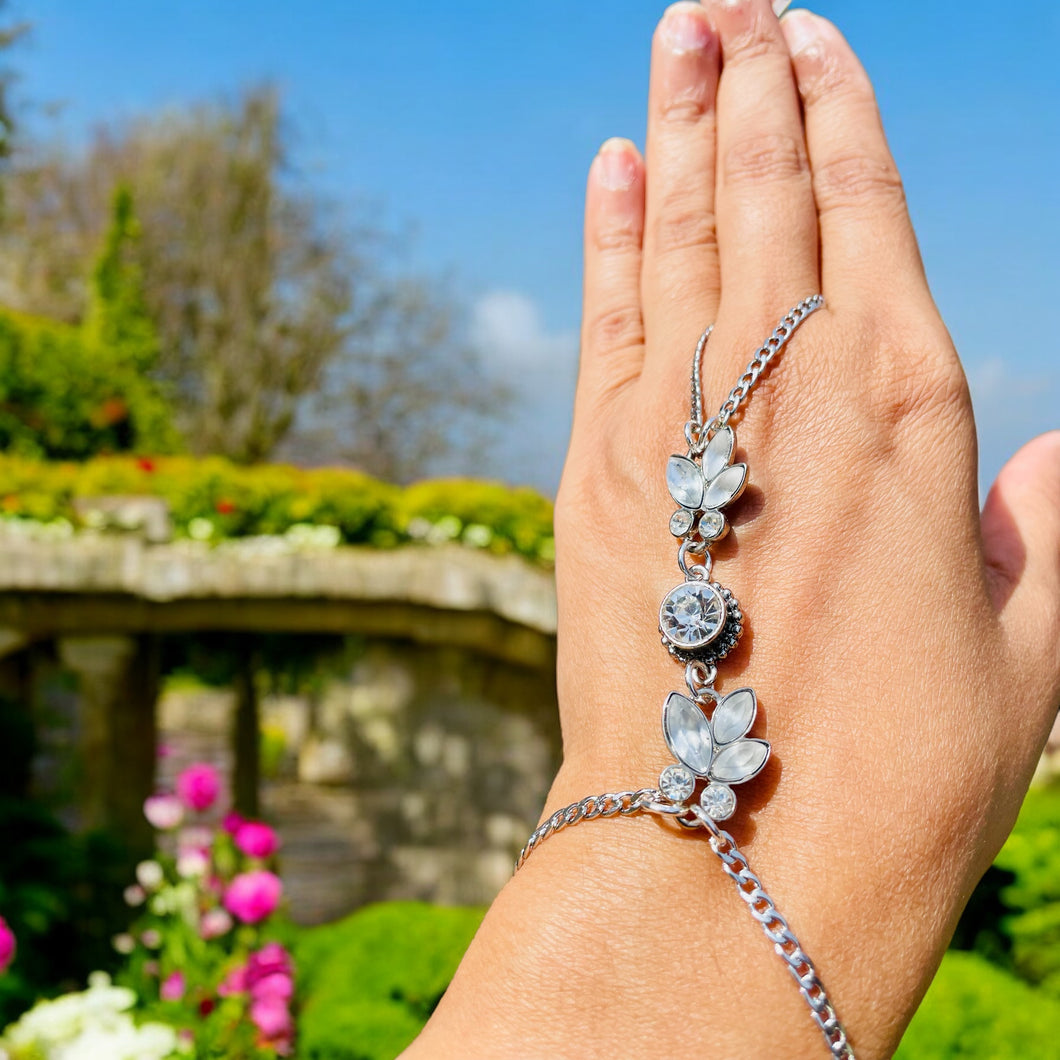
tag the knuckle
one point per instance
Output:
(765, 159)
(687, 109)
(914, 386)
(618, 237)
(684, 224)
(614, 328)
(856, 179)
(753, 38)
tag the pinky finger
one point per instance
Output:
(612, 323)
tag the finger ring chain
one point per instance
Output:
(700, 623)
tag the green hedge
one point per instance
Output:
(369, 982)
(214, 499)
(977, 1011)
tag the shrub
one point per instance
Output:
(370, 982)
(976, 1010)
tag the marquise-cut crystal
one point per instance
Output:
(687, 733)
(680, 522)
(725, 487)
(739, 761)
(677, 783)
(734, 715)
(692, 615)
(684, 480)
(718, 801)
(718, 452)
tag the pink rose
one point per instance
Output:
(279, 987)
(7, 946)
(198, 786)
(252, 896)
(165, 812)
(257, 840)
(214, 924)
(271, 959)
(172, 988)
(233, 822)
(272, 1017)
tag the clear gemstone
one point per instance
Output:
(718, 801)
(692, 615)
(687, 733)
(725, 487)
(740, 761)
(677, 783)
(718, 452)
(684, 479)
(680, 522)
(734, 715)
(711, 525)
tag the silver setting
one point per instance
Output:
(681, 522)
(718, 801)
(717, 649)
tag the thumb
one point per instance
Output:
(1021, 547)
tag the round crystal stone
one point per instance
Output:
(680, 522)
(718, 801)
(692, 615)
(677, 783)
(711, 525)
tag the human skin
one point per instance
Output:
(905, 647)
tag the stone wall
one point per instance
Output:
(417, 773)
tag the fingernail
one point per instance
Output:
(617, 161)
(685, 28)
(800, 30)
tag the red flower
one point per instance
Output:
(145, 463)
(225, 507)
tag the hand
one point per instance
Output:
(905, 650)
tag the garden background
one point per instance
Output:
(288, 317)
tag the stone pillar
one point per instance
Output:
(246, 735)
(117, 684)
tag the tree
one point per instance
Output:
(261, 295)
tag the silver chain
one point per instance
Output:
(699, 434)
(785, 944)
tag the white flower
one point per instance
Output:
(192, 863)
(134, 895)
(149, 874)
(123, 943)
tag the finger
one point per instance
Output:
(612, 346)
(1021, 546)
(867, 242)
(767, 222)
(681, 280)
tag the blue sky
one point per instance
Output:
(471, 124)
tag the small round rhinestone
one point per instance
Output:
(718, 801)
(677, 783)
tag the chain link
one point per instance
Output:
(699, 434)
(748, 886)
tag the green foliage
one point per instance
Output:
(1032, 855)
(976, 1010)
(370, 981)
(67, 392)
(214, 499)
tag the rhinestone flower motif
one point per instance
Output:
(716, 749)
(705, 488)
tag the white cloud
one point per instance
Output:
(540, 367)
(507, 329)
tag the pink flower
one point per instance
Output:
(271, 959)
(214, 924)
(165, 812)
(252, 896)
(198, 786)
(235, 982)
(272, 1017)
(172, 988)
(194, 840)
(257, 840)
(7, 946)
(279, 987)
(233, 822)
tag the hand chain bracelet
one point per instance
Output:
(700, 622)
